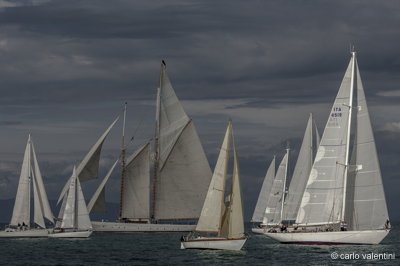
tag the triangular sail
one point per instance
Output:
(21, 211)
(89, 167)
(258, 215)
(68, 213)
(274, 206)
(37, 207)
(97, 203)
(210, 217)
(370, 210)
(184, 178)
(234, 216)
(136, 190)
(300, 174)
(44, 202)
(322, 200)
(82, 219)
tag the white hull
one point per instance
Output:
(213, 243)
(24, 233)
(258, 230)
(138, 227)
(367, 237)
(77, 234)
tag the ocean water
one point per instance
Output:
(164, 249)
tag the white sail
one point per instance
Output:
(210, 217)
(21, 211)
(97, 203)
(44, 202)
(258, 215)
(300, 174)
(37, 207)
(274, 206)
(322, 200)
(369, 210)
(136, 190)
(89, 167)
(82, 219)
(68, 219)
(234, 212)
(184, 178)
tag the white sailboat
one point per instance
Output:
(269, 211)
(224, 220)
(75, 222)
(181, 174)
(20, 225)
(344, 200)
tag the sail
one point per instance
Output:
(172, 118)
(184, 178)
(317, 137)
(61, 212)
(234, 216)
(136, 190)
(82, 220)
(21, 211)
(262, 201)
(274, 206)
(370, 210)
(68, 219)
(44, 202)
(89, 167)
(97, 203)
(300, 174)
(210, 217)
(322, 200)
(37, 207)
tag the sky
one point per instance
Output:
(67, 67)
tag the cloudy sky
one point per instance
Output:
(67, 67)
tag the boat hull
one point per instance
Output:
(367, 237)
(138, 227)
(31, 233)
(213, 243)
(77, 234)
(258, 230)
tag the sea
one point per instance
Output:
(164, 249)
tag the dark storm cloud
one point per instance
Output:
(66, 68)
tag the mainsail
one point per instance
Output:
(322, 201)
(273, 212)
(182, 170)
(367, 205)
(258, 215)
(300, 174)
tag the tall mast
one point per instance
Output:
(346, 162)
(29, 178)
(284, 182)
(122, 160)
(156, 142)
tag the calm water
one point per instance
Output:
(164, 249)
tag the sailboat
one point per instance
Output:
(269, 211)
(224, 220)
(344, 201)
(20, 225)
(181, 173)
(75, 222)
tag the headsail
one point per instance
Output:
(210, 217)
(370, 210)
(21, 211)
(322, 200)
(97, 203)
(300, 174)
(89, 167)
(258, 215)
(273, 211)
(82, 219)
(68, 213)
